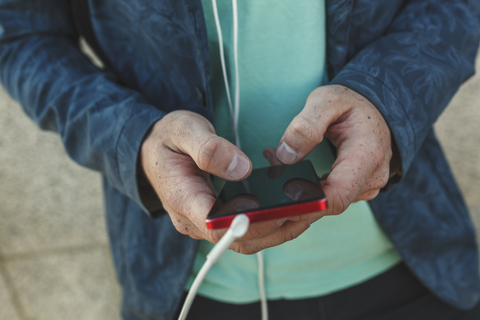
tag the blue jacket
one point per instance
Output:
(406, 57)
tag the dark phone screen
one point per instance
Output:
(269, 187)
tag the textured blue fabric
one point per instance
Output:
(407, 57)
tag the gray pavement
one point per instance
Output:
(54, 256)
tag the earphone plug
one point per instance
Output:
(237, 229)
(239, 225)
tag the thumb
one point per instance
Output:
(303, 134)
(210, 152)
(323, 108)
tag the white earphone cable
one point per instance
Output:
(233, 112)
(236, 230)
(237, 77)
(234, 115)
(241, 220)
(261, 286)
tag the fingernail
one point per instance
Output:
(286, 154)
(293, 190)
(244, 205)
(310, 221)
(281, 221)
(239, 167)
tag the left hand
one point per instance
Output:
(355, 126)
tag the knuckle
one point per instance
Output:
(289, 236)
(342, 205)
(181, 227)
(304, 128)
(170, 197)
(341, 201)
(215, 237)
(244, 248)
(367, 196)
(379, 180)
(207, 152)
(383, 180)
(388, 153)
(257, 233)
(378, 157)
(182, 126)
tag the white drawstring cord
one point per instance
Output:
(236, 230)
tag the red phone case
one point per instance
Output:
(271, 213)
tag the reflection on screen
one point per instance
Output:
(269, 187)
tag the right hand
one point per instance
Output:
(178, 156)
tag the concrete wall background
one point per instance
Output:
(54, 256)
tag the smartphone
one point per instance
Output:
(269, 193)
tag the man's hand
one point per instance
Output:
(178, 156)
(359, 132)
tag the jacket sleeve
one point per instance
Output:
(411, 73)
(101, 123)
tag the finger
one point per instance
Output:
(298, 189)
(347, 178)
(189, 218)
(323, 177)
(260, 230)
(194, 135)
(275, 172)
(308, 128)
(187, 197)
(287, 232)
(271, 155)
(239, 204)
(184, 188)
(243, 204)
(276, 167)
(193, 223)
(256, 231)
(185, 193)
(310, 217)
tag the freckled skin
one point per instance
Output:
(182, 150)
(347, 123)
(177, 157)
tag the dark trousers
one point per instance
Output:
(393, 295)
